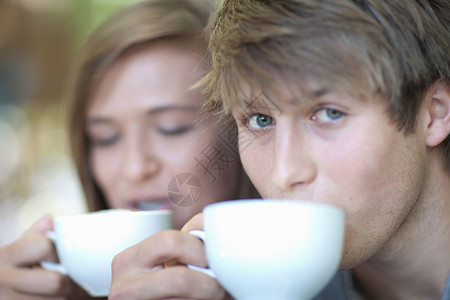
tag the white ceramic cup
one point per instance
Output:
(86, 244)
(272, 249)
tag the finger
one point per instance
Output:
(31, 249)
(175, 282)
(9, 294)
(160, 248)
(38, 282)
(195, 223)
(45, 223)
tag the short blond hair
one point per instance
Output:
(386, 48)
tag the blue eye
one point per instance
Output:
(325, 115)
(259, 121)
(333, 114)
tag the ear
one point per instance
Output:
(438, 108)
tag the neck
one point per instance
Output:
(415, 264)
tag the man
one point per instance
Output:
(348, 103)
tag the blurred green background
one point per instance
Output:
(38, 42)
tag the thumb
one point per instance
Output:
(196, 223)
(45, 223)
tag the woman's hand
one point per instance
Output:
(156, 268)
(21, 276)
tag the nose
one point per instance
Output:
(293, 161)
(139, 162)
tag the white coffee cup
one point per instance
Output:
(86, 244)
(272, 249)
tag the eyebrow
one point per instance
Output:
(151, 112)
(320, 92)
(161, 109)
(253, 103)
(98, 120)
(308, 95)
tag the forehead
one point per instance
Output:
(289, 94)
(152, 76)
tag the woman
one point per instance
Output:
(137, 137)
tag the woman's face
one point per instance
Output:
(148, 149)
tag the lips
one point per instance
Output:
(153, 205)
(149, 203)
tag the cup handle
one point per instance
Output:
(201, 235)
(50, 265)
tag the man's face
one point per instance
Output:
(338, 150)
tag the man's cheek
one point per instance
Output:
(259, 173)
